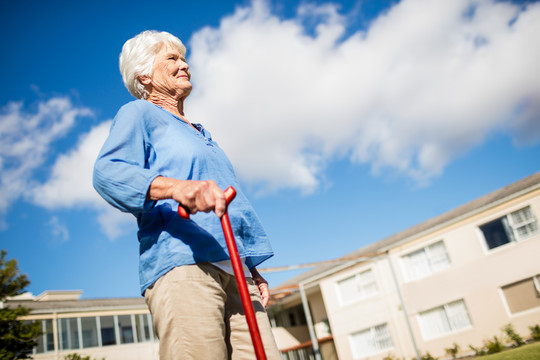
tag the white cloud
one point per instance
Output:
(58, 230)
(115, 223)
(26, 138)
(25, 141)
(70, 184)
(424, 84)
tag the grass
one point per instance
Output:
(527, 352)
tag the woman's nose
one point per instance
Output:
(184, 65)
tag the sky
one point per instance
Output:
(346, 121)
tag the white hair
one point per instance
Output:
(137, 58)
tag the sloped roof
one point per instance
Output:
(44, 307)
(525, 185)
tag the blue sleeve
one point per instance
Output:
(121, 173)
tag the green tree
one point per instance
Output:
(17, 337)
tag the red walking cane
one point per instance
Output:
(230, 193)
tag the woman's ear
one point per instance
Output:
(144, 79)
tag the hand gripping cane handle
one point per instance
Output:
(230, 193)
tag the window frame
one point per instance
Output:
(535, 279)
(359, 283)
(406, 262)
(511, 228)
(47, 328)
(69, 333)
(144, 327)
(373, 337)
(421, 320)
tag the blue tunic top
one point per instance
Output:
(147, 141)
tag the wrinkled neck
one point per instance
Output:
(172, 105)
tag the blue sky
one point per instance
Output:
(346, 121)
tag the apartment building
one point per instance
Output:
(114, 329)
(457, 278)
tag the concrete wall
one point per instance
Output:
(291, 336)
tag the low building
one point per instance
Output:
(114, 329)
(455, 279)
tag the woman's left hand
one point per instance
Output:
(262, 285)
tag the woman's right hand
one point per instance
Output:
(193, 195)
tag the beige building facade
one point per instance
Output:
(454, 279)
(114, 329)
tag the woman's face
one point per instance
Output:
(171, 73)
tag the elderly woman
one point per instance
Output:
(155, 159)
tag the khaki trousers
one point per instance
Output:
(198, 314)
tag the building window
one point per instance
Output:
(426, 261)
(356, 287)
(371, 341)
(92, 331)
(518, 225)
(444, 320)
(143, 326)
(68, 329)
(108, 336)
(45, 342)
(126, 329)
(293, 316)
(89, 331)
(523, 295)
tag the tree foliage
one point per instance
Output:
(76, 356)
(17, 337)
